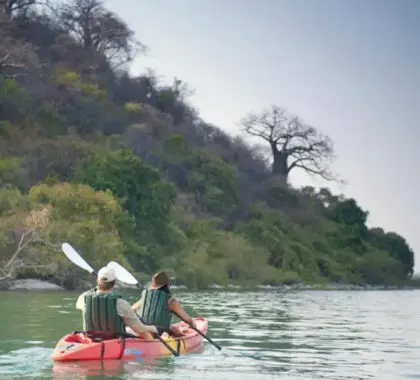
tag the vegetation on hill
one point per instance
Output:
(123, 168)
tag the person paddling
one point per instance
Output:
(157, 304)
(106, 313)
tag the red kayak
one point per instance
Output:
(77, 346)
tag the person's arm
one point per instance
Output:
(138, 327)
(80, 303)
(176, 307)
(138, 304)
(131, 320)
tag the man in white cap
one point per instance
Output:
(106, 312)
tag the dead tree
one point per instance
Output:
(293, 144)
(99, 30)
(16, 56)
(25, 237)
(9, 7)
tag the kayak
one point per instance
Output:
(78, 346)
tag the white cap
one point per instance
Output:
(106, 274)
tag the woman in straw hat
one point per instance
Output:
(157, 304)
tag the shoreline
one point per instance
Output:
(33, 284)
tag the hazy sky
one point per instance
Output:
(349, 67)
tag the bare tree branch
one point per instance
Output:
(16, 56)
(312, 166)
(28, 237)
(100, 30)
(34, 220)
(23, 242)
(11, 6)
(293, 144)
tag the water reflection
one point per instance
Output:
(88, 369)
(84, 370)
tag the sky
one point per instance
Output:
(350, 68)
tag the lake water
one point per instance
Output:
(264, 335)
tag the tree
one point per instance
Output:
(12, 172)
(348, 212)
(293, 144)
(57, 157)
(93, 221)
(21, 238)
(172, 100)
(100, 30)
(396, 246)
(63, 212)
(11, 6)
(140, 190)
(16, 56)
(213, 182)
(138, 186)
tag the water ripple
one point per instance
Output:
(264, 335)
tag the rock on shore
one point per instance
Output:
(34, 284)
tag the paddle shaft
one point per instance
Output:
(198, 331)
(158, 337)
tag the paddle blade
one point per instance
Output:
(123, 274)
(75, 258)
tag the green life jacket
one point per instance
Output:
(101, 313)
(154, 309)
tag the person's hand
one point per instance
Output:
(153, 329)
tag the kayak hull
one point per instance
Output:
(77, 346)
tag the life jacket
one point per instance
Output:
(101, 314)
(154, 309)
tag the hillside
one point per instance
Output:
(125, 169)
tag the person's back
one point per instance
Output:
(105, 312)
(155, 309)
(157, 304)
(101, 312)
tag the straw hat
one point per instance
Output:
(159, 280)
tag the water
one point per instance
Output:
(264, 335)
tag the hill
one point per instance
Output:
(125, 169)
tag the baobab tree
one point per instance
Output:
(293, 144)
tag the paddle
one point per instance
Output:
(78, 260)
(124, 275)
(197, 330)
(75, 258)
